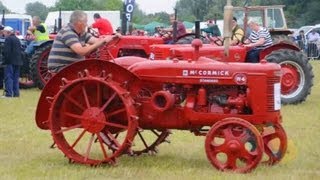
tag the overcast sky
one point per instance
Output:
(148, 6)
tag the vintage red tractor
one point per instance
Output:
(96, 108)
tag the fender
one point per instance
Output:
(41, 43)
(281, 45)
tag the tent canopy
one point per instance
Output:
(151, 26)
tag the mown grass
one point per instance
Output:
(25, 152)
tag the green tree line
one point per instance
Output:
(298, 12)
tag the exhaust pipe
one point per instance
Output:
(162, 101)
(227, 26)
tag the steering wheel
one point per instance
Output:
(93, 32)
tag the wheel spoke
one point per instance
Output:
(114, 125)
(73, 101)
(248, 156)
(269, 137)
(115, 141)
(218, 148)
(102, 147)
(108, 102)
(143, 140)
(85, 95)
(116, 112)
(99, 97)
(154, 132)
(227, 132)
(89, 147)
(231, 162)
(74, 115)
(78, 139)
(69, 128)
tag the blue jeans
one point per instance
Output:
(11, 80)
(30, 48)
(253, 56)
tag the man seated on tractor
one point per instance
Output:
(237, 33)
(181, 30)
(39, 31)
(72, 43)
(103, 25)
(258, 40)
(212, 29)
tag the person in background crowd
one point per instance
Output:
(12, 61)
(258, 40)
(237, 33)
(313, 37)
(212, 29)
(1, 58)
(72, 43)
(181, 30)
(103, 25)
(301, 40)
(39, 31)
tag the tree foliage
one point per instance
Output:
(3, 7)
(37, 9)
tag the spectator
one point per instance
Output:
(72, 43)
(1, 58)
(12, 61)
(237, 33)
(212, 29)
(39, 31)
(313, 37)
(103, 25)
(181, 30)
(259, 39)
(301, 40)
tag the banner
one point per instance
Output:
(129, 6)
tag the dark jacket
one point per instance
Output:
(12, 51)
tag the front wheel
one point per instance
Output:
(297, 75)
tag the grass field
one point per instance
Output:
(25, 152)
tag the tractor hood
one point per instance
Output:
(205, 70)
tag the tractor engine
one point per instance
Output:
(203, 91)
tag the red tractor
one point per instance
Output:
(297, 74)
(98, 110)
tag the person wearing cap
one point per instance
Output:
(237, 33)
(39, 31)
(13, 61)
(103, 25)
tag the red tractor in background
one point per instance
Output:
(297, 74)
(95, 108)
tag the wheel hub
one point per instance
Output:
(290, 79)
(234, 146)
(93, 120)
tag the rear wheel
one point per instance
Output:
(88, 109)
(39, 65)
(297, 75)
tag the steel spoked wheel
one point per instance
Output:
(93, 120)
(148, 141)
(229, 145)
(275, 143)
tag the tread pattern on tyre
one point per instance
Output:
(299, 58)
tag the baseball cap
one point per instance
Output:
(8, 28)
(1, 27)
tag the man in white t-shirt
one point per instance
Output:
(313, 36)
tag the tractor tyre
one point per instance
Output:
(39, 65)
(25, 79)
(297, 75)
(282, 38)
(187, 39)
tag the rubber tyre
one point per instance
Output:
(35, 66)
(25, 81)
(187, 39)
(299, 60)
